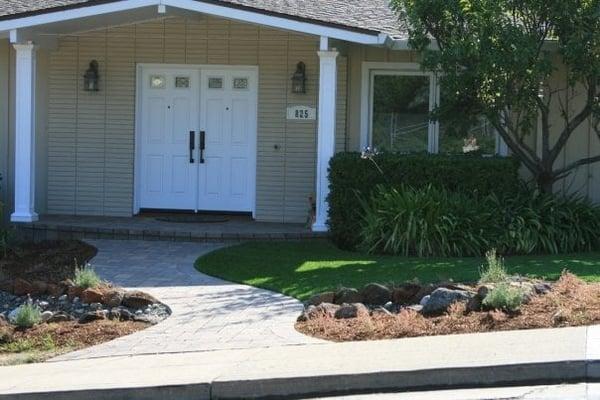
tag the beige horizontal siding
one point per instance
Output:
(91, 135)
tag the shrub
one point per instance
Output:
(494, 272)
(436, 222)
(353, 178)
(423, 222)
(27, 316)
(504, 297)
(86, 277)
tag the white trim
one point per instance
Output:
(138, 99)
(207, 8)
(369, 70)
(325, 134)
(25, 68)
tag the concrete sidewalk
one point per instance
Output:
(551, 356)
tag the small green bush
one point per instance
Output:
(86, 277)
(504, 297)
(423, 222)
(494, 271)
(27, 316)
(353, 178)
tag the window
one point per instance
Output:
(400, 112)
(215, 83)
(240, 83)
(157, 82)
(182, 82)
(398, 99)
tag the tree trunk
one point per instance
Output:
(545, 182)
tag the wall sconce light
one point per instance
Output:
(91, 78)
(299, 79)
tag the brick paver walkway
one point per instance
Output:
(208, 313)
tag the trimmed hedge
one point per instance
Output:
(352, 180)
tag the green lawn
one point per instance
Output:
(300, 269)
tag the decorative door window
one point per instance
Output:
(157, 82)
(240, 83)
(182, 82)
(215, 83)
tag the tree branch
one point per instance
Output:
(562, 172)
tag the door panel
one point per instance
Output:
(169, 113)
(228, 115)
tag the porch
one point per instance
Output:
(163, 226)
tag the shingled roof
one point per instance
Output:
(367, 15)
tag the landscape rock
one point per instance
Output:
(39, 287)
(74, 292)
(351, 311)
(425, 290)
(474, 304)
(21, 287)
(542, 287)
(91, 295)
(404, 294)
(424, 300)
(415, 307)
(55, 290)
(46, 315)
(137, 299)
(126, 315)
(442, 298)
(376, 294)
(347, 295)
(113, 297)
(92, 316)
(60, 317)
(325, 297)
(382, 311)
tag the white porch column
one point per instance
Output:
(25, 134)
(325, 130)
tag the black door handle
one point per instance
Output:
(202, 146)
(192, 145)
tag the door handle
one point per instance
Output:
(202, 146)
(192, 145)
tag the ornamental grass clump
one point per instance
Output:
(86, 277)
(504, 297)
(27, 315)
(494, 272)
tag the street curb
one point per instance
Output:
(392, 381)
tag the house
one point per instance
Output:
(112, 107)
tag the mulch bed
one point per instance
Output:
(571, 302)
(49, 261)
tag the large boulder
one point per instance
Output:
(441, 298)
(113, 297)
(405, 293)
(376, 294)
(347, 295)
(39, 287)
(137, 299)
(351, 311)
(21, 287)
(425, 290)
(91, 295)
(325, 297)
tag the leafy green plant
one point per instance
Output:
(504, 297)
(27, 316)
(86, 277)
(353, 177)
(423, 222)
(494, 271)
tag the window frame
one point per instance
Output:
(371, 69)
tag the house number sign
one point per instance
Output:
(301, 113)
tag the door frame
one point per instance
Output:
(137, 167)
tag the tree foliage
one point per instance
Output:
(501, 58)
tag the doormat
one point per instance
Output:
(193, 219)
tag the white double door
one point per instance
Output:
(182, 108)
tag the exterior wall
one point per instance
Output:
(91, 135)
(4, 127)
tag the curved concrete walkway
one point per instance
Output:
(208, 313)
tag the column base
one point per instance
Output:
(24, 217)
(320, 227)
